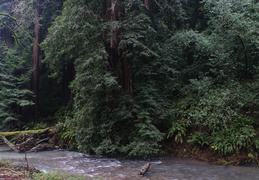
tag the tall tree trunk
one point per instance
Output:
(36, 60)
(114, 11)
(68, 76)
(127, 82)
(146, 2)
(9, 40)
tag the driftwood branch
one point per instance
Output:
(145, 169)
(41, 147)
(42, 140)
(29, 140)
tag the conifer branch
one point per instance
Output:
(14, 34)
(157, 3)
(15, 20)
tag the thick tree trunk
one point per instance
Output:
(36, 60)
(114, 11)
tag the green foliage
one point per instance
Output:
(225, 119)
(227, 50)
(186, 61)
(233, 26)
(67, 43)
(65, 132)
(190, 53)
(14, 79)
(57, 176)
(186, 67)
(33, 125)
(106, 120)
(214, 108)
(180, 124)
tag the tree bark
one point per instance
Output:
(9, 40)
(146, 2)
(36, 60)
(114, 12)
(127, 84)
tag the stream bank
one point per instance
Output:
(162, 167)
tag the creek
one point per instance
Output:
(162, 167)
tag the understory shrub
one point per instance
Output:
(224, 119)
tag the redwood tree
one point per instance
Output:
(36, 58)
(114, 14)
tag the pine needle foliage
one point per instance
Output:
(14, 80)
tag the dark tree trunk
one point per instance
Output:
(146, 2)
(118, 63)
(68, 76)
(36, 69)
(9, 40)
(36, 60)
(127, 85)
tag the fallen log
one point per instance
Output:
(11, 145)
(145, 169)
(33, 143)
(38, 131)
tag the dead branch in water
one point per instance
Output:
(145, 169)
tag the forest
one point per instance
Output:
(134, 77)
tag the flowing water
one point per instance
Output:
(162, 168)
